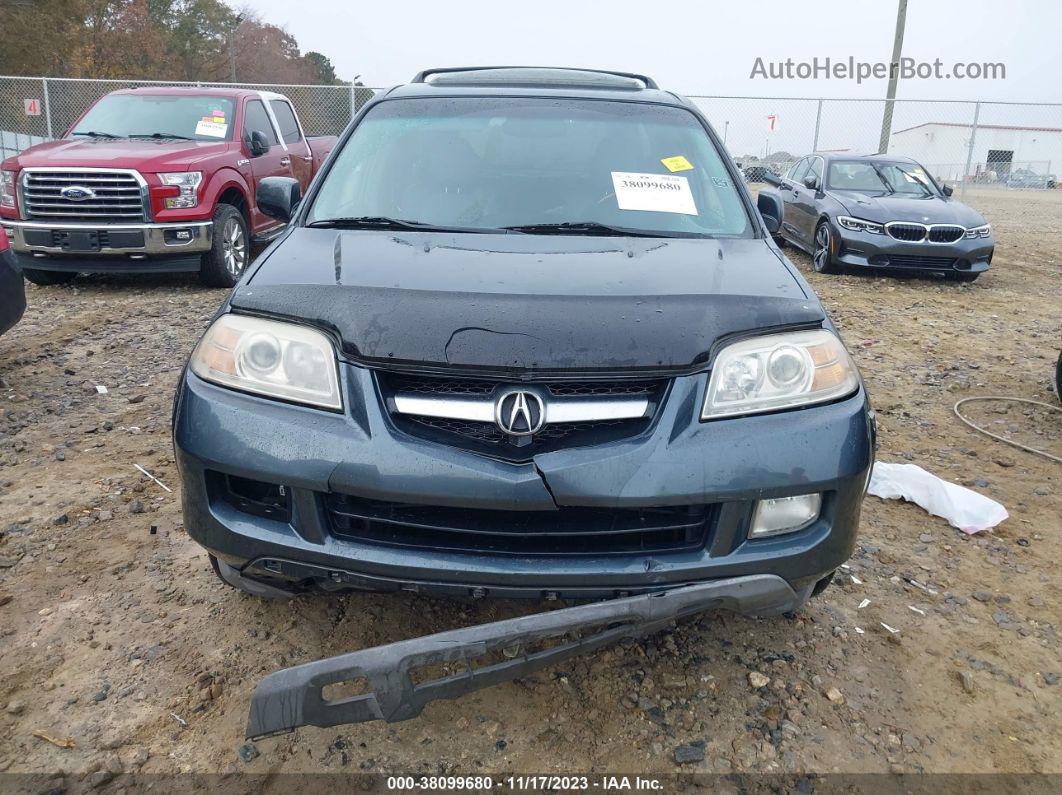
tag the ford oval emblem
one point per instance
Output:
(77, 193)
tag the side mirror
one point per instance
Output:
(772, 179)
(257, 143)
(811, 182)
(770, 207)
(947, 190)
(278, 197)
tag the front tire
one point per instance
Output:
(822, 254)
(231, 250)
(48, 278)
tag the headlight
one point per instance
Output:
(188, 184)
(7, 188)
(979, 231)
(280, 360)
(859, 225)
(778, 371)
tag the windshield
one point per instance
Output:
(123, 115)
(498, 162)
(866, 176)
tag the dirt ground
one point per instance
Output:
(116, 636)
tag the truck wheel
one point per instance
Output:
(228, 257)
(48, 278)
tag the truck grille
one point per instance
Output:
(565, 531)
(108, 196)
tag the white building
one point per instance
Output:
(942, 148)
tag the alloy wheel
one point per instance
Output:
(234, 247)
(822, 247)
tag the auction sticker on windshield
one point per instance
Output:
(210, 126)
(660, 193)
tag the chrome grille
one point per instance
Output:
(118, 196)
(461, 411)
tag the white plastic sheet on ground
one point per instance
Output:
(963, 508)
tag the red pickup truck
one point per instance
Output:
(155, 180)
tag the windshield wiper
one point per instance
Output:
(94, 134)
(383, 222)
(160, 135)
(595, 228)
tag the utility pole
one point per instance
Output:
(726, 127)
(232, 44)
(894, 77)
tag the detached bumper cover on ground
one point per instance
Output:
(291, 698)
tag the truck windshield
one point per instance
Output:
(201, 118)
(561, 166)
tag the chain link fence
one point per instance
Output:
(1000, 144)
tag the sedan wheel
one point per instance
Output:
(823, 255)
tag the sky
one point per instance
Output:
(693, 47)
(709, 48)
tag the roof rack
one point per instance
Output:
(422, 77)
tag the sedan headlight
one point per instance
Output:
(188, 184)
(7, 188)
(979, 231)
(779, 371)
(859, 225)
(279, 360)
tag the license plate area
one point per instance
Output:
(79, 240)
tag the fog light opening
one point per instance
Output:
(784, 515)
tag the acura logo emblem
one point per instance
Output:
(519, 413)
(77, 193)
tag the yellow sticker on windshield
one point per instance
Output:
(677, 163)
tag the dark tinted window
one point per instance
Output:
(256, 118)
(289, 128)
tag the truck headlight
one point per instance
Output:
(979, 231)
(266, 357)
(7, 188)
(859, 225)
(779, 371)
(187, 183)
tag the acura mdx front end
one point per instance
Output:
(526, 336)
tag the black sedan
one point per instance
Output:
(880, 212)
(12, 288)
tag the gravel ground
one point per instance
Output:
(118, 641)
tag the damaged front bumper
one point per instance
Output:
(331, 466)
(294, 697)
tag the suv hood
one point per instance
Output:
(527, 302)
(146, 155)
(885, 207)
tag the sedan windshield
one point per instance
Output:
(535, 166)
(158, 116)
(869, 176)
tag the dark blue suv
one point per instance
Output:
(526, 335)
